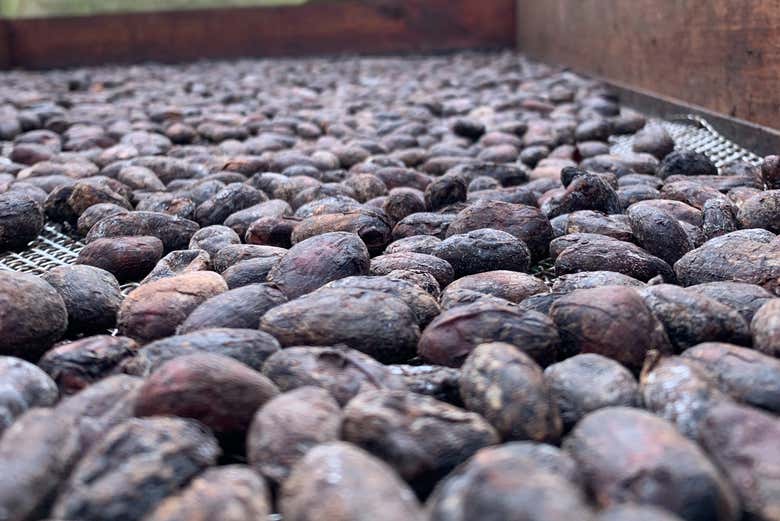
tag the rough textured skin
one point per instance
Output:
(439, 382)
(96, 213)
(628, 455)
(743, 297)
(216, 390)
(242, 220)
(451, 336)
(599, 320)
(511, 482)
(340, 482)
(92, 296)
(659, 233)
(21, 220)
(585, 192)
(127, 258)
(371, 225)
(239, 308)
(508, 285)
(439, 268)
(761, 211)
(484, 250)
(76, 365)
(415, 244)
(508, 388)
(32, 315)
(135, 466)
(588, 221)
(766, 328)
(612, 255)
(691, 318)
(686, 163)
(588, 382)
(375, 323)
(231, 493)
(272, 231)
(156, 309)
(318, 260)
(720, 218)
(22, 387)
(341, 371)
(593, 279)
(636, 513)
(424, 223)
(229, 200)
(213, 238)
(250, 271)
(420, 437)
(286, 427)
(179, 262)
(174, 232)
(743, 442)
(231, 255)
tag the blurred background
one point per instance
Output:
(32, 8)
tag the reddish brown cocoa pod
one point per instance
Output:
(600, 320)
(212, 239)
(508, 388)
(156, 309)
(454, 334)
(134, 467)
(34, 315)
(439, 268)
(420, 437)
(761, 211)
(314, 262)
(484, 250)
(692, 193)
(76, 365)
(24, 386)
(611, 255)
(431, 380)
(92, 296)
(585, 192)
(272, 231)
(508, 285)
(747, 299)
(250, 271)
(126, 258)
(235, 253)
(238, 308)
(86, 194)
(286, 427)
(179, 262)
(96, 213)
(167, 203)
(403, 202)
(766, 328)
(365, 186)
(372, 226)
(362, 484)
(593, 279)
(630, 455)
(231, 199)
(423, 223)
(341, 371)
(273, 209)
(659, 233)
(415, 244)
(174, 232)
(216, 390)
(21, 220)
(588, 221)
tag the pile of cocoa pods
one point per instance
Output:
(386, 289)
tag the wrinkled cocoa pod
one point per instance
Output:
(766, 328)
(508, 388)
(761, 211)
(251, 271)
(439, 268)
(692, 193)
(179, 262)
(375, 323)
(22, 387)
(126, 258)
(484, 250)
(507, 285)
(420, 278)
(415, 244)
(586, 192)
(420, 437)
(231, 199)
(85, 194)
(720, 218)
(372, 226)
(135, 466)
(140, 178)
(630, 455)
(454, 334)
(272, 231)
(593, 279)
(630, 512)
(423, 223)
(612, 255)
(213, 238)
(239, 308)
(444, 191)
(92, 296)
(21, 220)
(182, 207)
(659, 233)
(242, 220)
(363, 484)
(599, 320)
(156, 309)
(314, 262)
(588, 221)
(403, 202)
(770, 172)
(76, 365)
(96, 213)
(744, 298)
(235, 253)
(34, 315)
(174, 232)
(286, 427)
(588, 382)
(653, 139)
(687, 163)
(431, 380)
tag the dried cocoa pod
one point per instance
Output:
(231, 199)
(21, 220)
(403, 202)
(212, 239)
(612, 255)
(420, 437)
(239, 308)
(363, 484)
(761, 211)
(287, 426)
(692, 193)
(179, 262)
(588, 221)
(242, 219)
(96, 213)
(328, 205)
(687, 163)
(135, 466)
(770, 172)
(423, 223)
(630, 455)
(415, 244)
(157, 308)
(659, 233)
(272, 231)
(586, 192)
(632, 194)
(22, 387)
(504, 174)
(140, 178)
(484, 250)
(593, 279)
(444, 191)
(508, 285)
(87, 193)
(431, 380)
(365, 186)
(508, 388)
(766, 328)
(440, 269)
(235, 253)
(168, 203)
(420, 278)
(126, 258)
(174, 232)
(371, 225)
(631, 512)
(454, 334)
(91, 295)
(720, 218)
(653, 139)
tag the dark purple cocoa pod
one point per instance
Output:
(659, 233)
(508, 388)
(231, 199)
(761, 211)
(251, 271)
(586, 192)
(134, 467)
(631, 455)
(653, 139)
(720, 218)
(376, 323)
(508, 285)
(403, 202)
(632, 194)
(235, 253)
(687, 163)
(21, 220)
(770, 172)
(468, 128)
(420, 437)
(287, 426)
(766, 328)
(440, 269)
(174, 232)
(444, 191)
(372, 226)
(212, 239)
(272, 231)
(154, 310)
(274, 209)
(588, 221)
(239, 308)
(363, 484)
(593, 279)
(167, 203)
(76, 365)
(600, 320)
(415, 244)
(92, 296)
(126, 258)
(454, 334)
(96, 213)
(179, 262)
(423, 223)
(588, 382)
(631, 512)
(34, 315)
(611, 255)
(23, 387)
(484, 250)
(439, 382)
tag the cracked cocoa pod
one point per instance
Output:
(770, 172)
(420, 278)
(403, 202)
(513, 482)
(23, 387)
(96, 213)
(593, 279)
(454, 334)
(179, 262)
(371, 225)
(218, 391)
(241, 221)
(248, 346)
(659, 233)
(766, 328)
(588, 382)
(21, 220)
(431, 380)
(761, 211)
(362, 484)
(687, 163)
(586, 192)
(87, 193)
(231, 199)
(212, 239)
(420, 437)
(239, 308)
(744, 374)
(508, 285)
(154, 310)
(414, 244)
(631, 512)
(92, 296)
(174, 232)
(318, 260)
(76, 365)
(720, 218)
(378, 324)
(630, 455)
(134, 467)
(230, 493)
(600, 320)
(272, 231)
(743, 442)
(126, 258)
(588, 221)
(653, 139)
(423, 223)
(508, 389)
(235, 253)
(484, 250)
(287, 426)
(34, 315)
(440, 269)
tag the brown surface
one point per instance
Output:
(719, 54)
(377, 26)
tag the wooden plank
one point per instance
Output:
(723, 55)
(378, 26)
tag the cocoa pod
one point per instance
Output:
(91, 295)
(239, 308)
(174, 232)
